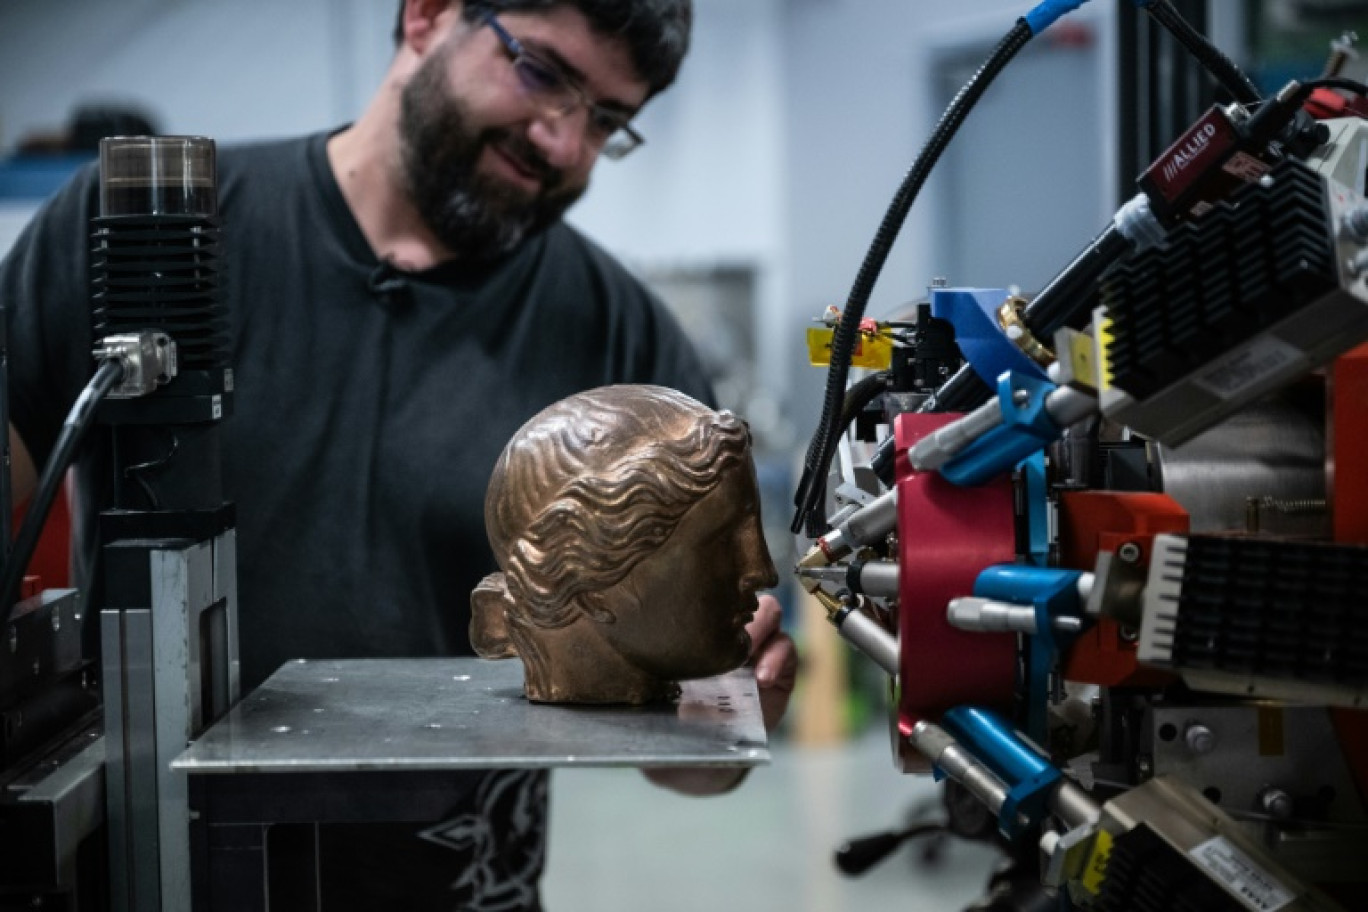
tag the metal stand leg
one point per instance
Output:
(170, 668)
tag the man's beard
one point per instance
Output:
(476, 216)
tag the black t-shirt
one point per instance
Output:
(370, 406)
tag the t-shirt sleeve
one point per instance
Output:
(45, 292)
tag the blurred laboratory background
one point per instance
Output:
(767, 170)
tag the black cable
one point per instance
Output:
(1070, 290)
(1230, 76)
(963, 392)
(857, 397)
(861, 394)
(74, 428)
(823, 446)
(138, 472)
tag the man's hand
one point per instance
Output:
(775, 660)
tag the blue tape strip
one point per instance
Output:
(1044, 15)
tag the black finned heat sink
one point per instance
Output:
(1146, 874)
(161, 272)
(1246, 265)
(1277, 609)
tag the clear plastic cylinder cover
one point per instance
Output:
(158, 175)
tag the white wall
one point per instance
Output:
(230, 70)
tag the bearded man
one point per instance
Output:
(403, 296)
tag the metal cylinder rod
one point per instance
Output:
(936, 744)
(865, 634)
(1067, 406)
(865, 526)
(1073, 806)
(940, 446)
(988, 616)
(880, 579)
(861, 631)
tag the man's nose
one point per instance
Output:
(560, 137)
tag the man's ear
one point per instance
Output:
(422, 28)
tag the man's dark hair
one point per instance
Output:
(656, 31)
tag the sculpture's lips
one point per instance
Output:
(747, 612)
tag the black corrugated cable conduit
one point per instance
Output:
(823, 447)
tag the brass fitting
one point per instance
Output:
(831, 603)
(1009, 318)
(816, 557)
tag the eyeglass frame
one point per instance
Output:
(563, 81)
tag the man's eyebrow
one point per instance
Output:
(552, 56)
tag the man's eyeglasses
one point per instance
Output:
(554, 89)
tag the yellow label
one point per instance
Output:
(1104, 340)
(1082, 356)
(1096, 868)
(874, 352)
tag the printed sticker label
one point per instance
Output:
(1242, 877)
(1234, 374)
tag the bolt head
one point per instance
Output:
(1200, 739)
(1276, 803)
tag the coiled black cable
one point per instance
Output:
(823, 446)
(860, 395)
(856, 398)
(74, 429)
(1230, 76)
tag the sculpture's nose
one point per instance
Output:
(757, 568)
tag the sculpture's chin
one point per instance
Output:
(726, 658)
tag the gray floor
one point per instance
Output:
(618, 844)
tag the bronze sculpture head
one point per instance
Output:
(626, 521)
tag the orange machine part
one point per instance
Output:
(1094, 521)
(1348, 433)
(1348, 492)
(49, 568)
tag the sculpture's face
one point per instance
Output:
(681, 612)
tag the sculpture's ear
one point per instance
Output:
(594, 605)
(488, 619)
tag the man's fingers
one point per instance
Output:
(777, 665)
(764, 625)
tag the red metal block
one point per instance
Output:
(1095, 521)
(947, 535)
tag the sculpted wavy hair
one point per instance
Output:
(584, 492)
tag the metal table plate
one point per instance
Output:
(456, 714)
